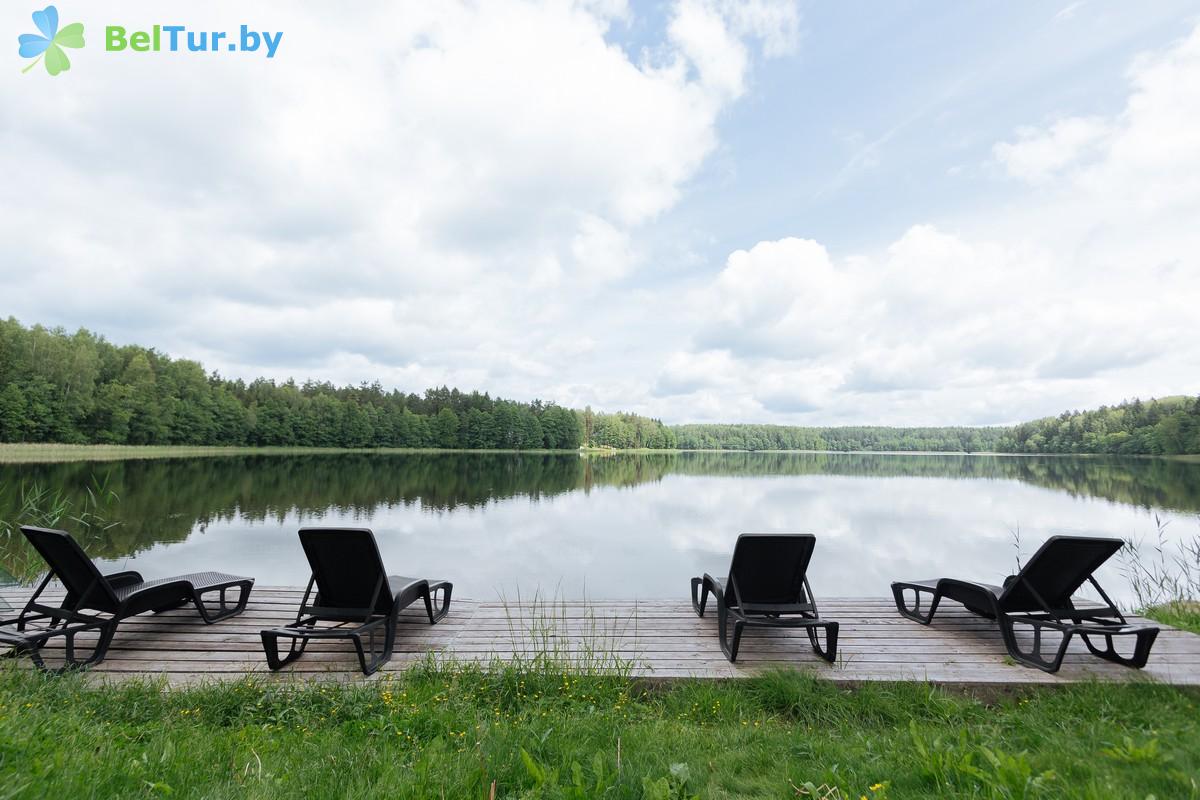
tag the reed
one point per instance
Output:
(551, 636)
(1164, 575)
(89, 515)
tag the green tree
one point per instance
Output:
(445, 428)
(12, 414)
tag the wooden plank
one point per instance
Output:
(660, 639)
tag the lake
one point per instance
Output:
(625, 525)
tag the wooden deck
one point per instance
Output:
(659, 639)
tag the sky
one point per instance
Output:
(799, 213)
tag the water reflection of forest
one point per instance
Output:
(164, 500)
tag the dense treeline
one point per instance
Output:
(1169, 426)
(80, 388)
(845, 439)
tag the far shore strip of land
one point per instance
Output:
(43, 453)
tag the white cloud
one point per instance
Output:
(685, 373)
(463, 197)
(439, 189)
(703, 38)
(712, 34)
(1083, 293)
(779, 298)
(1038, 154)
(1068, 11)
(930, 327)
(602, 251)
(775, 22)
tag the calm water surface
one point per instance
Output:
(617, 526)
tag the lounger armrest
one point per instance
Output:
(979, 598)
(119, 580)
(929, 585)
(946, 584)
(157, 595)
(405, 590)
(1101, 627)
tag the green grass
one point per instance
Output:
(442, 732)
(1183, 614)
(53, 453)
(17, 453)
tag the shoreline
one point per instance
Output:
(49, 453)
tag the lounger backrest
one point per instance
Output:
(72, 566)
(770, 567)
(347, 567)
(1056, 571)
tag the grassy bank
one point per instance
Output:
(1182, 614)
(53, 453)
(441, 733)
(15, 453)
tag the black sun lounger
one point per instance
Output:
(767, 587)
(108, 598)
(1040, 597)
(356, 595)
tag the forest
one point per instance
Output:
(78, 388)
(1167, 426)
(845, 439)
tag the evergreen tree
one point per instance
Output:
(445, 428)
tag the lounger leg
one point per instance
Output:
(729, 643)
(224, 608)
(25, 647)
(435, 609)
(700, 601)
(270, 640)
(829, 652)
(1141, 648)
(71, 659)
(914, 613)
(384, 636)
(34, 653)
(1034, 657)
(367, 669)
(730, 648)
(376, 659)
(98, 652)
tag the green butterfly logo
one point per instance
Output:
(48, 47)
